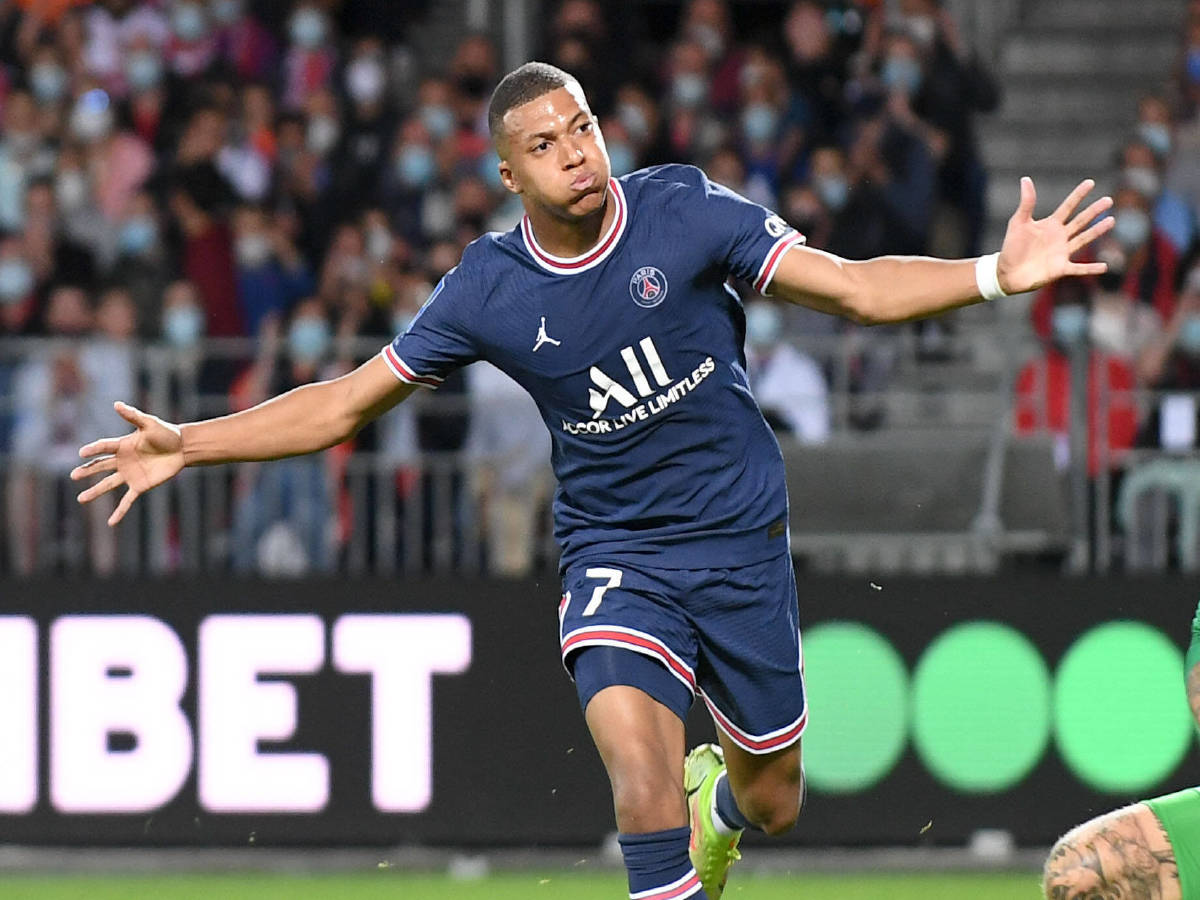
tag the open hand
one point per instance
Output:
(142, 459)
(1038, 251)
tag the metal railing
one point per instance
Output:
(400, 507)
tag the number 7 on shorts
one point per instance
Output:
(614, 580)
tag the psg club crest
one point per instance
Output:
(648, 286)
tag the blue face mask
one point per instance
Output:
(763, 324)
(143, 70)
(1132, 227)
(688, 89)
(759, 123)
(1157, 137)
(16, 280)
(901, 73)
(489, 171)
(833, 191)
(634, 120)
(415, 166)
(621, 160)
(308, 339)
(188, 22)
(49, 82)
(137, 236)
(438, 121)
(1069, 324)
(227, 11)
(183, 326)
(307, 28)
(1189, 336)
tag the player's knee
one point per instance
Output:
(641, 784)
(772, 808)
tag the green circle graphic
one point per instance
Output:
(981, 707)
(858, 686)
(1121, 715)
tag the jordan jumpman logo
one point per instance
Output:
(543, 338)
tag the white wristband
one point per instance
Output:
(987, 277)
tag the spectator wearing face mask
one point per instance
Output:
(57, 403)
(283, 522)
(50, 249)
(787, 383)
(309, 61)
(368, 127)
(271, 273)
(49, 81)
(761, 139)
(408, 177)
(952, 87)
(138, 260)
(1044, 388)
(192, 48)
(1170, 213)
(244, 44)
(198, 199)
(24, 155)
(1151, 266)
(118, 161)
(1172, 364)
(1118, 324)
(17, 285)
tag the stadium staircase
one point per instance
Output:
(940, 487)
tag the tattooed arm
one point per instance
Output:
(1124, 855)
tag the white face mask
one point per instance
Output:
(1109, 330)
(1142, 179)
(71, 190)
(365, 80)
(252, 249)
(322, 135)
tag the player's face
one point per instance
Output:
(555, 155)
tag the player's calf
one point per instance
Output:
(1122, 854)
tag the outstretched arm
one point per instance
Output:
(309, 418)
(900, 288)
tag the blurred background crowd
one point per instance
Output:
(206, 202)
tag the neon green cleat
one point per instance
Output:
(712, 853)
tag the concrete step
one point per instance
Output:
(1083, 101)
(1102, 14)
(1050, 148)
(1073, 54)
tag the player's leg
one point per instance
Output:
(632, 655)
(641, 741)
(750, 670)
(1126, 853)
(761, 791)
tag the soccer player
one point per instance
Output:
(608, 303)
(1147, 851)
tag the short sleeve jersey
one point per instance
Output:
(634, 355)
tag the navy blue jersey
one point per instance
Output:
(634, 355)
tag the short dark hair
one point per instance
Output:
(528, 82)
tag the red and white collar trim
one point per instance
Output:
(561, 265)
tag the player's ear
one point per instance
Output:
(509, 178)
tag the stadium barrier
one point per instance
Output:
(210, 711)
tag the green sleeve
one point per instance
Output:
(1193, 653)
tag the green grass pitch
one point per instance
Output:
(509, 886)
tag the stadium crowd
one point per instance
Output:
(300, 175)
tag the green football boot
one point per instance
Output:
(712, 853)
